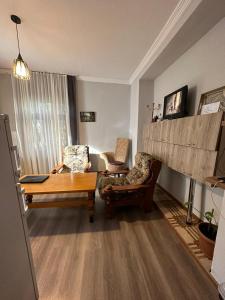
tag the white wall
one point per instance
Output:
(141, 104)
(6, 102)
(218, 263)
(134, 108)
(202, 68)
(111, 102)
(146, 97)
(6, 99)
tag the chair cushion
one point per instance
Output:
(76, 158)
(141, 171)
(116, 167)
(116, 163)
(122, 148)
(104, 181)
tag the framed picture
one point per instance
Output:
(87, 116)
(175, 104)
(212, 101)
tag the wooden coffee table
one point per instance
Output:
(64, 183)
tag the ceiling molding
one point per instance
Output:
(83, 78)
(102, 80)
(181, 13)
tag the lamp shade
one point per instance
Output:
(20, 68)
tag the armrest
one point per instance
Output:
(130, 187)
(108, 173)
(57, 168)
(87, 167)
(109, 156)
(122, 188)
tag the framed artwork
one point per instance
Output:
(87, 116)
(212, 101)
(175, 104)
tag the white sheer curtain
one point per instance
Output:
(42, 120)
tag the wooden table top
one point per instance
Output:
(63, 183)
(214, 180)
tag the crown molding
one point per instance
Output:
(102, 80)
(181, 13)
(83, 78)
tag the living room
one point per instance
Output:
(103, 76)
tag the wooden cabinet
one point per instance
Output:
(187, 145)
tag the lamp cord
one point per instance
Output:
(213, 201)
(18, 41)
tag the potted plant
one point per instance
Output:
(207, 234)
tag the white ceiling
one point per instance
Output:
(204, 17)
(96, 38)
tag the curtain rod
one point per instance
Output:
(9, 71)
(53, 73)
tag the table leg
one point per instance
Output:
(29, 198)
(94, 197)
(91, 204)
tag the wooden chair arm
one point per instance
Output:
(129, 187)
(87, 167)
(124, 188)
(108, 173)
(57, 168)
(108, 154)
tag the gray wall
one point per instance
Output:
(111, 103)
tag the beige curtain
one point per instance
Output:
(42, 120)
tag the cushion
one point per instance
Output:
(104, 181)
(141, 171)
(116, 163)
(116, 167)
(76, 158)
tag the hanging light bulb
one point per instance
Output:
(20, 68)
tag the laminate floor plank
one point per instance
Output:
(134, 256)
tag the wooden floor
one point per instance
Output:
(134, 256)
(176, 215)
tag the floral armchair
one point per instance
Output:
(116, 161)
(136, 188)
(75, 159)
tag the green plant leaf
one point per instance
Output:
(209, 214)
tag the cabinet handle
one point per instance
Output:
(17, 159)
(21, 192)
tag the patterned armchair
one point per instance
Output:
(75, 159)
(116, 161)
(136, 188)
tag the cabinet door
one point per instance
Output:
(207, 128)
